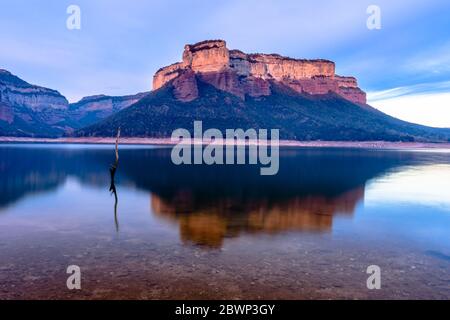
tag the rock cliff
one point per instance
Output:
(30, 110)
(244, 74)
(15, 91)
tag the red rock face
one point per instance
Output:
(226, 80)
(185, 86)
(353, 94)
(248, 74)
(348, 88)
(164, 75)
(316, 85)
(256, 87)
(206, 56)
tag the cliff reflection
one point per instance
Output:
(227, 218)
(34, 169)
(211, 203)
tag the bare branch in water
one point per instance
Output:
(117, 148)
(112, 188)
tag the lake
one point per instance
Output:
(223, 232)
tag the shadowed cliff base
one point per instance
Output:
(299, 117)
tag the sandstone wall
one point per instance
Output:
(206, 56)
(348, 88)
(186, 86)
(213, 56)
(243, 74)
(227, 80)
(353, 94)
(272, 66)
(279, 68)
(316, 85)
(164, 75)
(239, 63)
(36, 98)
(346, 82)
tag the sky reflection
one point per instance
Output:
(427, 185)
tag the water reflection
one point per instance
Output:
(229, 217)
(112, 172)
(427, 185)
(211, 203)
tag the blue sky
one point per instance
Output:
(404, 66)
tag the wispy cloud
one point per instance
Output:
(426, 104)
(417, 89)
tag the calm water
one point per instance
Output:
(223, 231)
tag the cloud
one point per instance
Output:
(426, 104)
(422, 88)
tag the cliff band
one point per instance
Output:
(243, 74)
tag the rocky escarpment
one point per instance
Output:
(29, 110)
(244, 74)
(15, 91)
(92, 109)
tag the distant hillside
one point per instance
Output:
(297, 116)
(28, 110)
(90, 110)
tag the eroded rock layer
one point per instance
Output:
(244, 74)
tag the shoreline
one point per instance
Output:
(282, 143)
